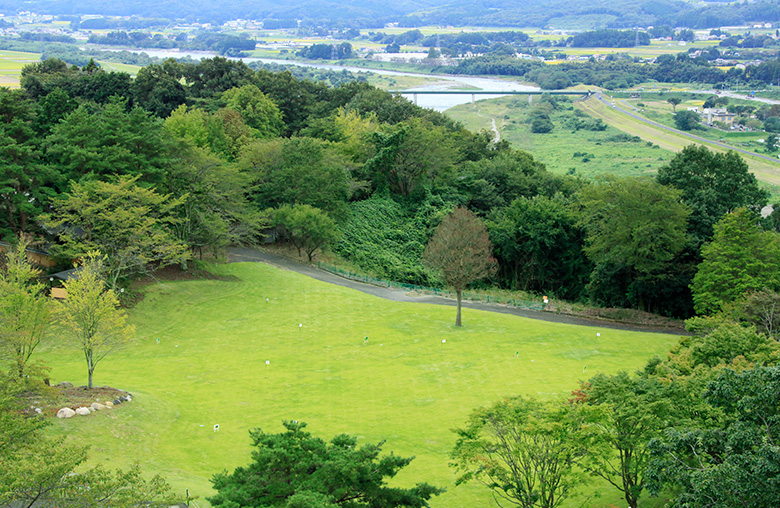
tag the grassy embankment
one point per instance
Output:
(608, 151)
(405, 385)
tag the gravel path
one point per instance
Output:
(244, 254)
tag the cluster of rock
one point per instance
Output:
(68, 412)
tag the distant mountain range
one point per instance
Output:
(583, 14)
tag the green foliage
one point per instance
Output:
(620, 415)
(539, 246)
(90, 314)
(521, 450)
(24, 308)
(296, 469)
(712, 184)
(634, 229)
(387, 240)
(258, 111)
(307, 228)
(731, 462)
(103, 141)
(741, 257)
(687, 120)
(215, 210)
(128, 223)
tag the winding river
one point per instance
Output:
(436, 102)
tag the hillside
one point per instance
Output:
(373, 14)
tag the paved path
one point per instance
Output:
(683, 133)
(243, 254)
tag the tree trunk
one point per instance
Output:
(89, 385)
(457, 319)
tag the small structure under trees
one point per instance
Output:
(460, 250)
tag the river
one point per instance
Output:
(435, 102)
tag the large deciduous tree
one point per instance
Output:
(634, 226)
(128, 223)
(740, 258)
(521, 450)
(729, 461)
(90, 313)
(619, 416)
(24, 308)
(460, 250)
(306, 227)
(712, 185)
(258, 111)
(294, 469)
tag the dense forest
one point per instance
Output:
(533, 13)
(226, 154)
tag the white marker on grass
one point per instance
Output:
(300, 325)
(443, 341)
(598, 334)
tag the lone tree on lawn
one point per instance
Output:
(91, 314)
(460, 250)
(674, 101)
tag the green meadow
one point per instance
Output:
(563, 150)
(227, 356)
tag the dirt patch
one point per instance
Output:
(55, 398)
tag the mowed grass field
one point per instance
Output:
(405, 385)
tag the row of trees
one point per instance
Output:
(202, 156)
(698, 427)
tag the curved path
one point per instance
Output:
(683, 133)
(244, 254)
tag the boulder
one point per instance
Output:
(82, 411)
(64, 384)
(65, 412)
(109, 405)
(97, 406)
(117, 402)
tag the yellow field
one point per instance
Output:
(11, 63)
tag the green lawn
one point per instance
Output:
(404, 386)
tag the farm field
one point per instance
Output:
(404, 385)
(11, 63)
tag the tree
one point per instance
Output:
(740, 258)
(620, 415)
(731, 461)
(306, 227)
(539, 247)
(90, 313)
(460, 250)
(298, 171)
(633, 226)
(674, 101)
(687, 120)
(296, 469)
(712, 185)
(215, 210)
(39, 471)
(771, 143)
(24, 309)
(128, 223)
(521, 450)
(410, 156)
(258, 111)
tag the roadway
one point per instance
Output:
(683, 133)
